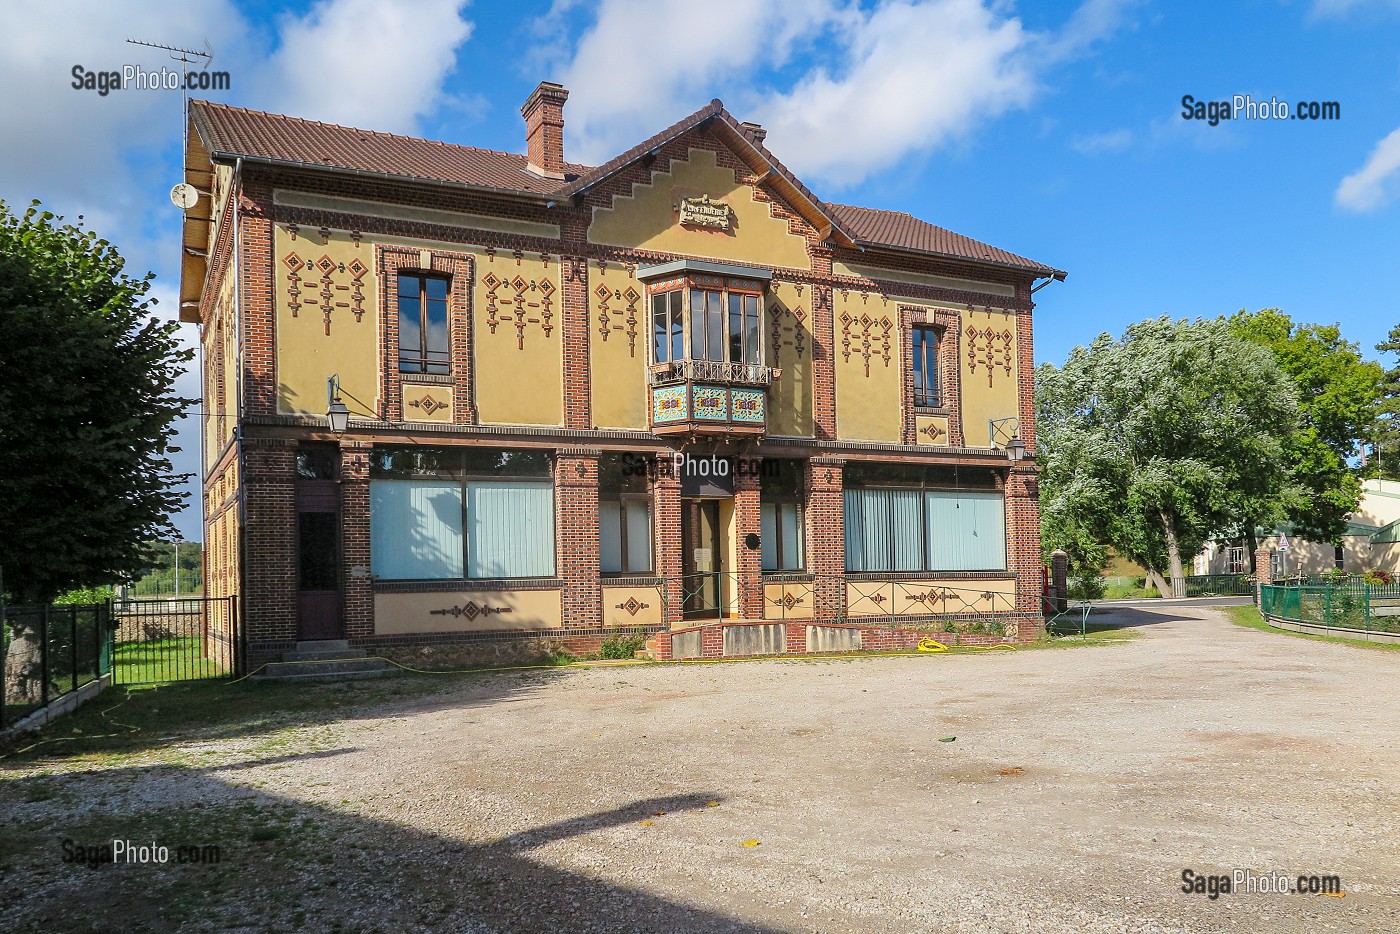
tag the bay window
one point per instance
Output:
(923, 519)
(707, 318)
(441, 513)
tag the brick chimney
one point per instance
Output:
(755, 130)
(544, 129)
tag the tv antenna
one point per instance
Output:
(186, 57)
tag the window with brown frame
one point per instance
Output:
(707, 318)
(924, 360)
(624, 516)
(780, 502)
(423, 340)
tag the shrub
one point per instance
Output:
(1378, 576)
(622, 646)
(84, 596)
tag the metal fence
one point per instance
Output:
(47, 652)
(1219, 585)
(176, 639)
(1354, 605)
(965, 606)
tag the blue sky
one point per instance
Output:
(1052, 129)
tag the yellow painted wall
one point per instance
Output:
(647, 219)
(220, 346)
(787, 328)
(619, 329)
(424, 403)
(620, 602)
(306, 353)
(775, 596)
(396, 613)
(989, 372)
(921, 598)
(869, 390)
(932, 429)
(517, 321)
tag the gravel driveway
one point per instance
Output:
(1079, 786)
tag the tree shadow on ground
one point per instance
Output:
(125, 720)
(287, 864)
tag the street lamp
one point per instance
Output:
(1015, 450)
(337, 413)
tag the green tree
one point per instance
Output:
(86, 410)
(1338, 398)
(1148, 442)
(1385, 434)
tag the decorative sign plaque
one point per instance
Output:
(704, 211)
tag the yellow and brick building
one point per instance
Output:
(676, 394)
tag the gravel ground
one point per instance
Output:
(1079, 786)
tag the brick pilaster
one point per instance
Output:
(666, 517)
(748, 521)
(256, 295)
(270, 573)
(826, 537)
(576, 536)
(1023, 557)
(354, 539)
(1263, 571)
(578, 389)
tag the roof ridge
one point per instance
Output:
(382, 134)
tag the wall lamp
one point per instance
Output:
(1006, 433)
(337, 413)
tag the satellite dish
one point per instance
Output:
(184, 195)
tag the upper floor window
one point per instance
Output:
(924, 360)
(707, 318)
(423, 344)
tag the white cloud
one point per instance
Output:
(917, 74)
(889, 81)
(365, 63)
(1096, 143)
(644, 64)
(1376, 183)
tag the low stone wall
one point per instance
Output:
(722, 639)
(1315, 629)
(68, 702)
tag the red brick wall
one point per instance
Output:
(825, 521)
(354, 539)
(576, 536)
(748, 520)
(270, 541)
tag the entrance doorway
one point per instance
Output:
(702, 562)
(318, 543)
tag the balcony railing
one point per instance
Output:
(747, 374)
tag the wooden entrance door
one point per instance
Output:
(702, 562)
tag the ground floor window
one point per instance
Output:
(441, 513)
(781, 498)
(921, 524)
(624, 515)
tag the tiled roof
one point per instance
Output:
(906, 232)
(235, 131)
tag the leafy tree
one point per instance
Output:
(1338, 396)
(1147, 443)
(1385, 435)
(86, 410)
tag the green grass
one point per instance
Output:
(1250, 618)
(147, 661)
(1128, 592)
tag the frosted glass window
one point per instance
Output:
(510, 529)
(416, 529)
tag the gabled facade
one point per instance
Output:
(675, 394)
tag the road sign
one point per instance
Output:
(1283, 541)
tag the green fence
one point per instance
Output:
(1219, 585)
(47, 652)
(1344, 605)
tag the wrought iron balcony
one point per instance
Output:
(713, 371)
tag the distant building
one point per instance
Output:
(1371, 540)
(676, 393)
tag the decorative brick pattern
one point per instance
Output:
(460, 267)
(576, 536)
(949, 374)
